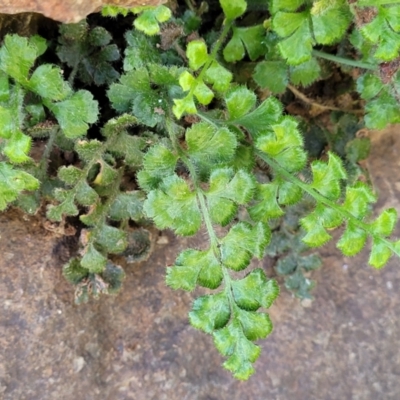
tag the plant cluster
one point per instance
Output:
(188, 146)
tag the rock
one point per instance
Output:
(67, 11)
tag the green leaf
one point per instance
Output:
(305, 73)
(250, 38)
(141, 51)
(93, 260)
(87, 150)
(106, 175)
(267, 206)
(197, 54)
(210, 313)
(255, 291)
(47, 82)
(358, 149)
(272, 75)
(242, 243)
(195, 267)
(385, 223)
(74, 272)
(12, 182)
(233, 8)
(70, 175)
(218, 76)
(85, 195)
(17, 148)
(228, 190)
(381, 111)
(380, 253)
(255, 325)
(358, 198)
(158, 163)
(8, 124)
(267, 113)
(327, 177)
(75, 113)
(67, 207)
(232, 343)
(316, 234)
(207, 143)
(127, 205)
(240, 101)
(174, 206)
(17, 56)
(148, 21)
(111, 240)
(352, 241)
(369, 86)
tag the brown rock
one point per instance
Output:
(67, 11)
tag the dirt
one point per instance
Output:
(139, 345)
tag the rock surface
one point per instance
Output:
(67, 11)
(139, 345)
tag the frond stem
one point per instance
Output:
(345, 61)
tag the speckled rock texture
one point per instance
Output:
(139, 345)
(67, 11)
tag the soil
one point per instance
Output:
(139, 345)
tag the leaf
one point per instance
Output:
(358, 199)
(226, 192)
(195, 267)
(327, 177)
(111, 239)
(17, 56)
(88, 150)
(93, 260)
(197, 54)
(352, 241)
(140, 52)
(255, 291)
(84, 194)
(242, 243)
(305, 73)
(12, 182)
(106, 175)
(148, 21)
(74, 272)
(267, 113)
(316, 234)
(240, 101)
(369, 86)
(218, 76)
(250, 38)
(232, 343)
(127, 205)
(70, 175)
(272, 75)
(358, 149)
(384, 225)
(381, 111)
(17, 148)
(233, 8)
(8, 123)
(210, 313)
(209, 144)
(158, 163)
(255, 325)
(267, 206)
(380, 253)
(75, 113)
(174, 206)
(48, 83)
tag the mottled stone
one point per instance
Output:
(67, 11)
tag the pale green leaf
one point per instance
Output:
(352, 240)
(210, 313)
(93, 260)
(233, 8)
(47, 82)
(197, 54)
(240, 101)
(76, 113)
(255, 291)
